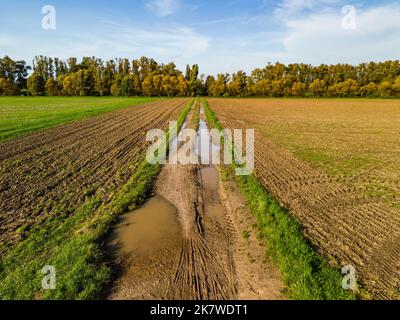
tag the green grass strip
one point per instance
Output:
(305, 273)
(73, 244)
(23, 115)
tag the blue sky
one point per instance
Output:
(220, 35)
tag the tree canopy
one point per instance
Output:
(145, 77)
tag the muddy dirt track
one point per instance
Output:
(207, 258)
(52, 172)
(339, 221)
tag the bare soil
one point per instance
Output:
(347, 227)
(51, 173)
(257, 276)
(213, 261)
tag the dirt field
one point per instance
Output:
(333, 163)
(207, 258)
(51, 173)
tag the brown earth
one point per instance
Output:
(345, 225)
(213, 261)
(51, 173)
(257, 276)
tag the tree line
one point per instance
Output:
(145, 77)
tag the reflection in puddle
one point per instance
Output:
(207, 150)
(213, 207)
(145, 231)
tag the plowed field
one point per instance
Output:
(349, 224)
(51, 173)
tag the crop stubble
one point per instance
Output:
(337, 218)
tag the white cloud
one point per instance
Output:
(320, 37)
(119, 41)
(307, 31)
(163, 7)
(314, 37)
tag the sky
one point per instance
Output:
(219, 35)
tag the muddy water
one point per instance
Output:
(209, 174)
(145, 231)
(154, 250)
(213, 207)
(206, 148)
(143, 247)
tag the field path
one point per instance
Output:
(212, 260)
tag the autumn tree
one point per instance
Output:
(385, 89)
(69, 85)
(369, 90)
(92, 76)
(51, 87)
(298, 89)
(318, 88)
(219, 86)
(237, 87)
(6, 88)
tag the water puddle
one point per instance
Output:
(145, 232)
(213, 207)
(147, 242)
(207, 150)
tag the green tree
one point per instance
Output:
(36, 84)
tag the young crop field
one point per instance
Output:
(21, 115)
(334, 165)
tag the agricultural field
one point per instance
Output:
(77, 193)
(59, 190)
(334, 165)
(21, 115)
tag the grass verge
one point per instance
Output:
(73, 245)
(306, 275)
